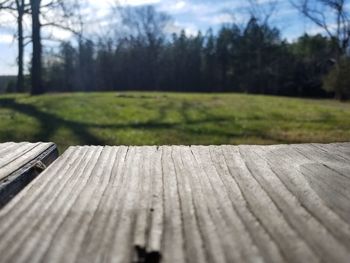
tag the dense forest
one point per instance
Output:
(253, 59)
(249, 58)
(7, 83)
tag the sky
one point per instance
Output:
(190, 15)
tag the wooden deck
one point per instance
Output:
(20, 163)
(184, 204)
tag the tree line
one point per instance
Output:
(251, 58)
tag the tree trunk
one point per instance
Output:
(20, 76)
(36, 71)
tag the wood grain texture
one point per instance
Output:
(281, 203)
(20, 163)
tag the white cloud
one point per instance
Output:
(176, 27)
(186, 7)
(171, 28)
(140, 2)
(219, 19)
(180, 5)
(173, 7)
(6, 38)
(102, 4)
(61, 34)
(7, 61)
(191, 30)
(7, 19)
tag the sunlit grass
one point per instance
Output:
(171, 118)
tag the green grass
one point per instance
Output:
(171, 118)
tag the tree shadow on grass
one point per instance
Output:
(50, 123)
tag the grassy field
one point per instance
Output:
(171, 118)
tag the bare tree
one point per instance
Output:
(21, 7)
(260, 14)
(330, 15)
(333, 17)
(55, 13)
(144, 22)
(145, 28)
(36, 67)
(262, 11)
(18, 8)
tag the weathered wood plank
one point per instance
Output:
(282, 203)
(287, 163)
(20, 163)
(268, 213)
(304, 224)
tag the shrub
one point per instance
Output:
(338, 80)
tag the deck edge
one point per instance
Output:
(19, 179)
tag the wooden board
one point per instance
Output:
(184, 204)
(20, 163)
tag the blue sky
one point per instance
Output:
(191, 15)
